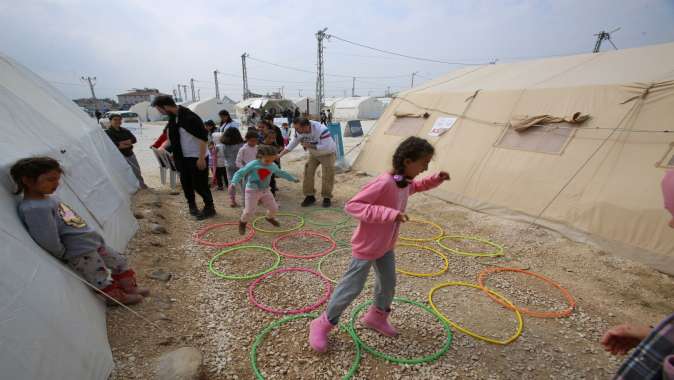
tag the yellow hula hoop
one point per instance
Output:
(498, 249)
(435, 251)
(300, 223)
(437, 236)
(520, 322)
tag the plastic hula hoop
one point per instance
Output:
(327, 285)
(498, 249)
(438, 235)
(533, 313)
(397, 360)
(337, 230)
(299, 225)
(326, 224)
(199, 234)
(435, 251)
(276, 324)
(520, 322)
(291, 235)
(211, 266)
(320, 263)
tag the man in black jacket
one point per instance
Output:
(188, 138)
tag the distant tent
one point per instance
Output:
(302, 102)
(360, 108)
(518, 147)
(330, 103)
(208, 109)
(146, 112)
(385, 101)
(52, 326)
(263, 104)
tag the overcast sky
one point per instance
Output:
(160, 44)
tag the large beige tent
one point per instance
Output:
(597, 181)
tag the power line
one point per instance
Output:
(404, 55)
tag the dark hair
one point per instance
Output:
(163, 101)
(209, 123)
(252, 135)
(114, 115)
(412, 148)
(225, 113)
(32, 168)
(303, 121)
(284, 124)
(266, 150)
(231, 136)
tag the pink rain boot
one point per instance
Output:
(377, 319)
(319, 329)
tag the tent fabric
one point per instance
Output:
(52, 325)
(602, 187)
(208, 109)
(146, 112)
(301, 103)
(522, 123)
(363, 107)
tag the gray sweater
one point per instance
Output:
(58, 229)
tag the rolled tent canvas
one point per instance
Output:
(52, 326)
(597, 183)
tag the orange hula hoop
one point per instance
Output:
(533, 313)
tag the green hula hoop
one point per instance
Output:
(216, 272)
(393, 359)
(260, 337)
(327, 224)
(299, 225)
(320, 263)
(498, 249)
(336, 230)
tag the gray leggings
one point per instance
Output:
(97, 268)
(353, 281)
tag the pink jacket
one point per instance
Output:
(377, 206)
(668, 191)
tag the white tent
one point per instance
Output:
(385, 101)
(146, 112)
(330, 103)
(302, 102)
(362, 107)
(209, 108)
(51, 325)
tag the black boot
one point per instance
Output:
(207, 212)
(327, 202)
(308, 201)
(194, 210)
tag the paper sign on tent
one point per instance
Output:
(441, 125)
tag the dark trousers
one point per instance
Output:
(192, 179)
(221, 177)
(272, 182)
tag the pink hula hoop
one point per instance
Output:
(199, 234)
(326, 284)
(323, 237)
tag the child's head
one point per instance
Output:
(209, 125)
(267, 154)
(284, 125)
(231, 136)
(264, 126)
(38, 175)
(251, 137)
(411, 158)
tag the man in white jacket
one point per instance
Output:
(315, 138)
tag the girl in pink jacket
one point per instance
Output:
(380, 208)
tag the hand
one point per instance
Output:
(444, 176)
(622, 338)
(201, 164)
(402, 218)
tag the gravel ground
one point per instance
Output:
(196, 308)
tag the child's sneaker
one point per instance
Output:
(118, 294)
(242, 228)
(273, 222)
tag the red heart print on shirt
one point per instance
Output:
(263, 173)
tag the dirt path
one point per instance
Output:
(196, 308)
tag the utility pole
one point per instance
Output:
(217, 87)
(246, 92)
(353, 87)
(184, 86)
(92, 83)
(175, 95)
(320, 77)
(388, 91)
(198, 94)
(413, 74)
(194, 98)
(299, 93)
(601, 36)
(180, 95)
